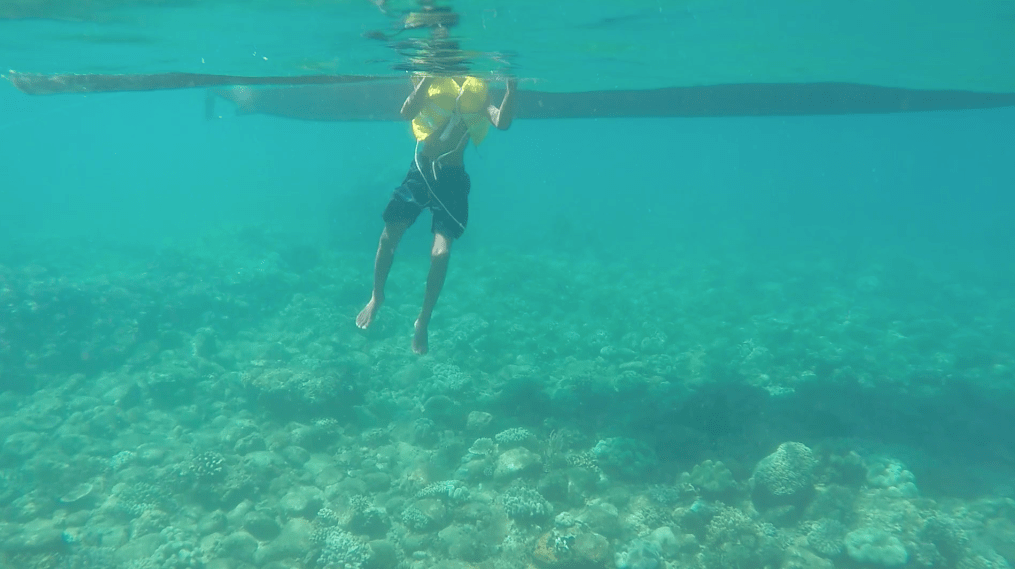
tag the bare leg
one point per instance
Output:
(390, 237)
(440, 254)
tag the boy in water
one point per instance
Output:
(446, 113)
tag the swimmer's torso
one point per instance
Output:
(451, 150)
(455, 113)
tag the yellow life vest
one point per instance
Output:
(447, 101)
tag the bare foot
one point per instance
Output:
(366, 316)
(419, 340)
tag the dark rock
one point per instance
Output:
(261, 526)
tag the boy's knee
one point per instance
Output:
(441, 247)
(391, 235)
(440, 251)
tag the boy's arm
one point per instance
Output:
(415, 101)
(502, 116)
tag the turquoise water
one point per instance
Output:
(777, 342)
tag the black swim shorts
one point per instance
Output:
(446, 196)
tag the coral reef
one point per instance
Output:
(826, 537)
(514, 437)
(451, 489)
(712, 478)
(207, 412)
(623, 457)
(734, 540)
(640, 554)
(525, 504)
(340, 550)
(784, 477)
(876, 547)
(572, 547)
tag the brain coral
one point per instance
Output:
(784, 477)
